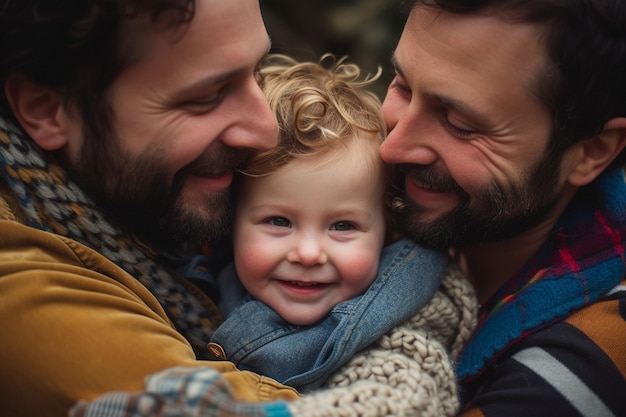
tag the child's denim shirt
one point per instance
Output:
(254, 337)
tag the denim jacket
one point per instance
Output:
(254, 337)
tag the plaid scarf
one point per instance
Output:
(582, 260)
(54, 203)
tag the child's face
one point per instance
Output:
(309, 235)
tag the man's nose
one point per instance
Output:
(255, 126)
(408, 142)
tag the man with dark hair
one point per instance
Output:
(508, 121)
(121, 124)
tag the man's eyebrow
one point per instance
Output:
(207, 82)
(453, 103)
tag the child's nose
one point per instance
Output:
(308, 251)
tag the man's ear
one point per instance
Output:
(598, 152)
(40, 111)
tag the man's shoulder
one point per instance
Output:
(603, 323)
(589, 344)
(34, 254)
(596, 330)
(573, 366)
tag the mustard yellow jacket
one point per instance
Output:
(74, 326)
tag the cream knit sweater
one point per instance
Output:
(410, 370)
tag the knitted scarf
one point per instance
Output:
(582, 260)
(53, 202)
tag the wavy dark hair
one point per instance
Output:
(73, 46)
(584, 85)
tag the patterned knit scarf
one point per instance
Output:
(53, 202)
(583, 259)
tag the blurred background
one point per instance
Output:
(365, 30)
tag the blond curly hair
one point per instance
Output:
(319, 106)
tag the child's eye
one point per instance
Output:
(279, 222)
(342, 226)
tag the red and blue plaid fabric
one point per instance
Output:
(582, 260)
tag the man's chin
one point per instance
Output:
(197, 229)
(427, 234)
(170, 222)
(199, 222)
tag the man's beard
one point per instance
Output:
(144, 199)
(492, 214)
